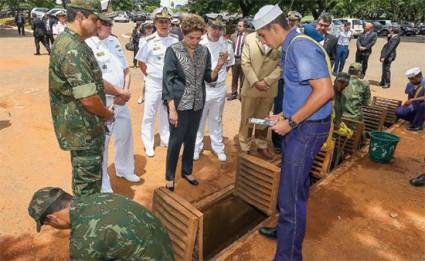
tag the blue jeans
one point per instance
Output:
(341, 56)
(300, 147)
(414, 113)
(277, 108)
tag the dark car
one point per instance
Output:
(408, 29)
(382, 27)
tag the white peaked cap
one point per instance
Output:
(413, 72)
(266, 15)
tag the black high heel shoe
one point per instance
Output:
(193, 182)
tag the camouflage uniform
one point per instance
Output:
(357, 95)
(74, 74)
(111, 227)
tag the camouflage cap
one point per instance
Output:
(90, 5)
(343, 76)
(105, 17)
(41, 201)
(294, 15)
(355, 67)
(162, 12)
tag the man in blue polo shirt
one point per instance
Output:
(307, 107)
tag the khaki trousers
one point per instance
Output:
(254, 108)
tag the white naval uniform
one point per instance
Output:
(215, 96)
(58, 28)
(112, 62)
(151, 52)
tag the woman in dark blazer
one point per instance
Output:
(187, 66)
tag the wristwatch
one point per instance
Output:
(292, 123)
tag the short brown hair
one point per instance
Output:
(191, 23)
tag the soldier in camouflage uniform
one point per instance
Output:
(77, 97)
(341, 82)
(357, 94)
(104, 226)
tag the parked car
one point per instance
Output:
(408, 29)
(122, 18)
(336, 27)
(54, 11)
(356, 25)
(39, 11)
(382, 27)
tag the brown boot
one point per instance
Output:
(265, 153)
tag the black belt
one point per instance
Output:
(325, 120)
(236, 56)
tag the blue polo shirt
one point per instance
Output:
(305, 61)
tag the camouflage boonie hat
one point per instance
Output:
(355, 67)
(41, 201)
(89, 5)
(343, 76)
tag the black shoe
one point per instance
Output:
(269, 232)
(418, 181)
(413, 128)
(193, 182)
(37, 54)
(385, 86)
(170, 188)
(232, 97)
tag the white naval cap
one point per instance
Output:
(266, 15)
(413, 72)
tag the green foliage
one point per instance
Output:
(122, 5)
(398, 10)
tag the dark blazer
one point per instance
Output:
(39, 30)
(388, 52)
(367, 40)
(330, 45)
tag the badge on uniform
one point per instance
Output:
(100, 53)
(104, 67)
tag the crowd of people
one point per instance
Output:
(281, 67)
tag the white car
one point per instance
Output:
(54, 11)
(122, 18)
(356, 25)
(39, 12)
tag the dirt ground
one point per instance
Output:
(348, 218)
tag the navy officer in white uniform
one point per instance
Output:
(151, 62)
(116, 75)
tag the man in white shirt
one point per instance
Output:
(238, 39)
(115, 73)
(215, 92)
(60, 26)
(151, 62)
(342, 50)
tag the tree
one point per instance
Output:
(122, 5)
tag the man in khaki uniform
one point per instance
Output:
(260, 65)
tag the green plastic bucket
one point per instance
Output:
(382, 146)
